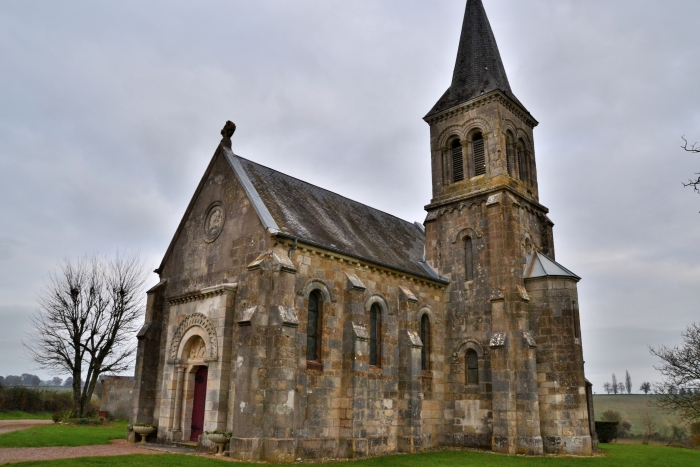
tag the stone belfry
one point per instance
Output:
(515, 381)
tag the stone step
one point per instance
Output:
(186, 444)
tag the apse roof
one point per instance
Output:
(540, 265)
(319, 217)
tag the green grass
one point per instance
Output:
(63, 435)
(631, 408)
(18, 415)
(615, 456)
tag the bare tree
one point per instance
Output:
(680, 366)
(621, 387)
(645, 387)
(87, 316)
(628, 382)
(607, 387)
(692, 148)
(648, 425)
(614, 386)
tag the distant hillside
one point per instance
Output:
(631, 408)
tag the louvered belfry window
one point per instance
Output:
(479, 155)
(313, 328)
(510, 162)
(472, 367)
(457, 162)
(522, 163)
(375, 323)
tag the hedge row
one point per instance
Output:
(33, 400)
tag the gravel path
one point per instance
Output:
(7, 426)
(116, 448)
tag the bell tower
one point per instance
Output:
(485, 229)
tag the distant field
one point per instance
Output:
(631, 408)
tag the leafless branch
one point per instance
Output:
(680, 365)
(86, 319)
(693, 148)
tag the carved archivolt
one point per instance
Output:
(190, 321)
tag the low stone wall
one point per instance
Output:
(116, 396)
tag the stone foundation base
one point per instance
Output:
(577, 445)
(527, 445)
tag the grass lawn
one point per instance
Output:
(616, 456)
(63, 435)
(17, 415)
(631, 408)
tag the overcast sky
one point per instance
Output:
(110, 112)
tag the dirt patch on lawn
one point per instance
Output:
(116, 448)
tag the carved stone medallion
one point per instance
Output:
(214, 222)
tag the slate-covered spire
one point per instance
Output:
(478, 68)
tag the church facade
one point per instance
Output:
(311, 326)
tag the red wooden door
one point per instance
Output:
(198, 402)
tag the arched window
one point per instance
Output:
(313, 327)
(425, 338)
(457, 161)
(375, 325)
(468, 259)
(510, 157)
(478, 155)
(472, 367)
(522, 162)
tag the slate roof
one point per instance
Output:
(540, 265)
(478, 68)
(322, 218)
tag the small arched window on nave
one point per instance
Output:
(457, 161)
(472, 367)
(313, 328)
(375, 326)
(478, 155)
(426, 339)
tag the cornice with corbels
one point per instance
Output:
(494, 96)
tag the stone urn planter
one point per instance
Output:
(144, 431)
(220, 439)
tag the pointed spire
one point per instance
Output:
(478, 68)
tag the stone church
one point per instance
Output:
(310, 325)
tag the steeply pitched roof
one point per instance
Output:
(320, 217)
(539, 265)
(478, 68)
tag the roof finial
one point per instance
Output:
(226, 133)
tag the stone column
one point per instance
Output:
(176, 422)
(353, 436)
(513, 368)
(148, 357)
(266, 376)
(410, 392)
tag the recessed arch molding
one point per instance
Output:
(190, 321)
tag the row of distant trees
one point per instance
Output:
(624, 387)
(27, 379)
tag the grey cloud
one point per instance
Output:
(109, 113)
